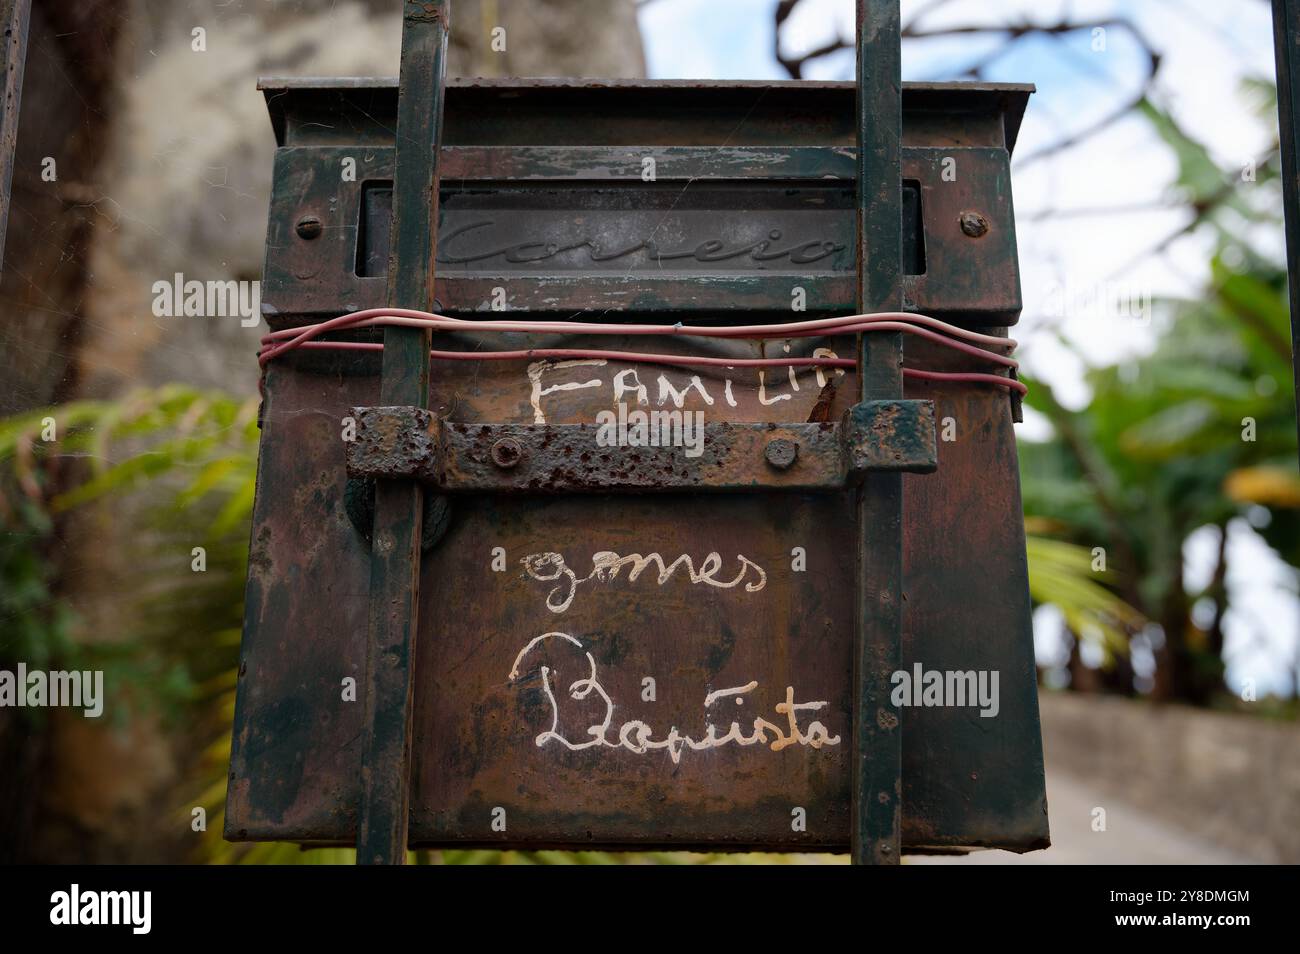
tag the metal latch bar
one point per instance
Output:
(887, 435)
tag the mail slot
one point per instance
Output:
(636, 588)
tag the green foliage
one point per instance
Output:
(1061, 574)
(34, 625)
(160, 431)
(1192, 434)
(1210, 191)
(185, 625)
(1187, 436)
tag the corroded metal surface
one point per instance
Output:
(548, 200)
(890, 435)
(15, 19)
(670, 112)
(674, 451)
(398, 441)
(714, 598)
(967, 780)
(877, 739)
(570, 235)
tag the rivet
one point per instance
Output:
(309, 227)
(973, 224)
(506, 453)
(781, 452)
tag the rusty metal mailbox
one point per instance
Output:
(627, 642)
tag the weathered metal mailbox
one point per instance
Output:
(707, 640)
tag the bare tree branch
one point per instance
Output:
(795, 65)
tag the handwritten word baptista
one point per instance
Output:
(638, 737)
(606, 566)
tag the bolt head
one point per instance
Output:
(506, 453)
(973, 224)
(309, 227)
(781, 452)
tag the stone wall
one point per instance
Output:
(187, 178)
(1233, 779)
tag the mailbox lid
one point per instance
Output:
(563, 196)
(307, 111)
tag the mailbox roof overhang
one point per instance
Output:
(767, 111)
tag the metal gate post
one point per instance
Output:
(1286, 42)
(877, 735)
(15, 18)
(395, 551)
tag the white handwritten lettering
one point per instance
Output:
(637, 736)
(625, 384)
(606, 566)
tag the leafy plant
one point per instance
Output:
(1196, 433)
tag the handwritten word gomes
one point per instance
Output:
(607, 565)
(596, 709)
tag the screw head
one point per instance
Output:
(309, 227)
(506, 453)
(781, 452)
(973, 223)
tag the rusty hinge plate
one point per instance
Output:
(894, 435)
(407, 442)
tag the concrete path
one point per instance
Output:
(1132, 836)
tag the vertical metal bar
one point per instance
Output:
(1286, 42)
(877, 736)
(395, 552)
(15, 17)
